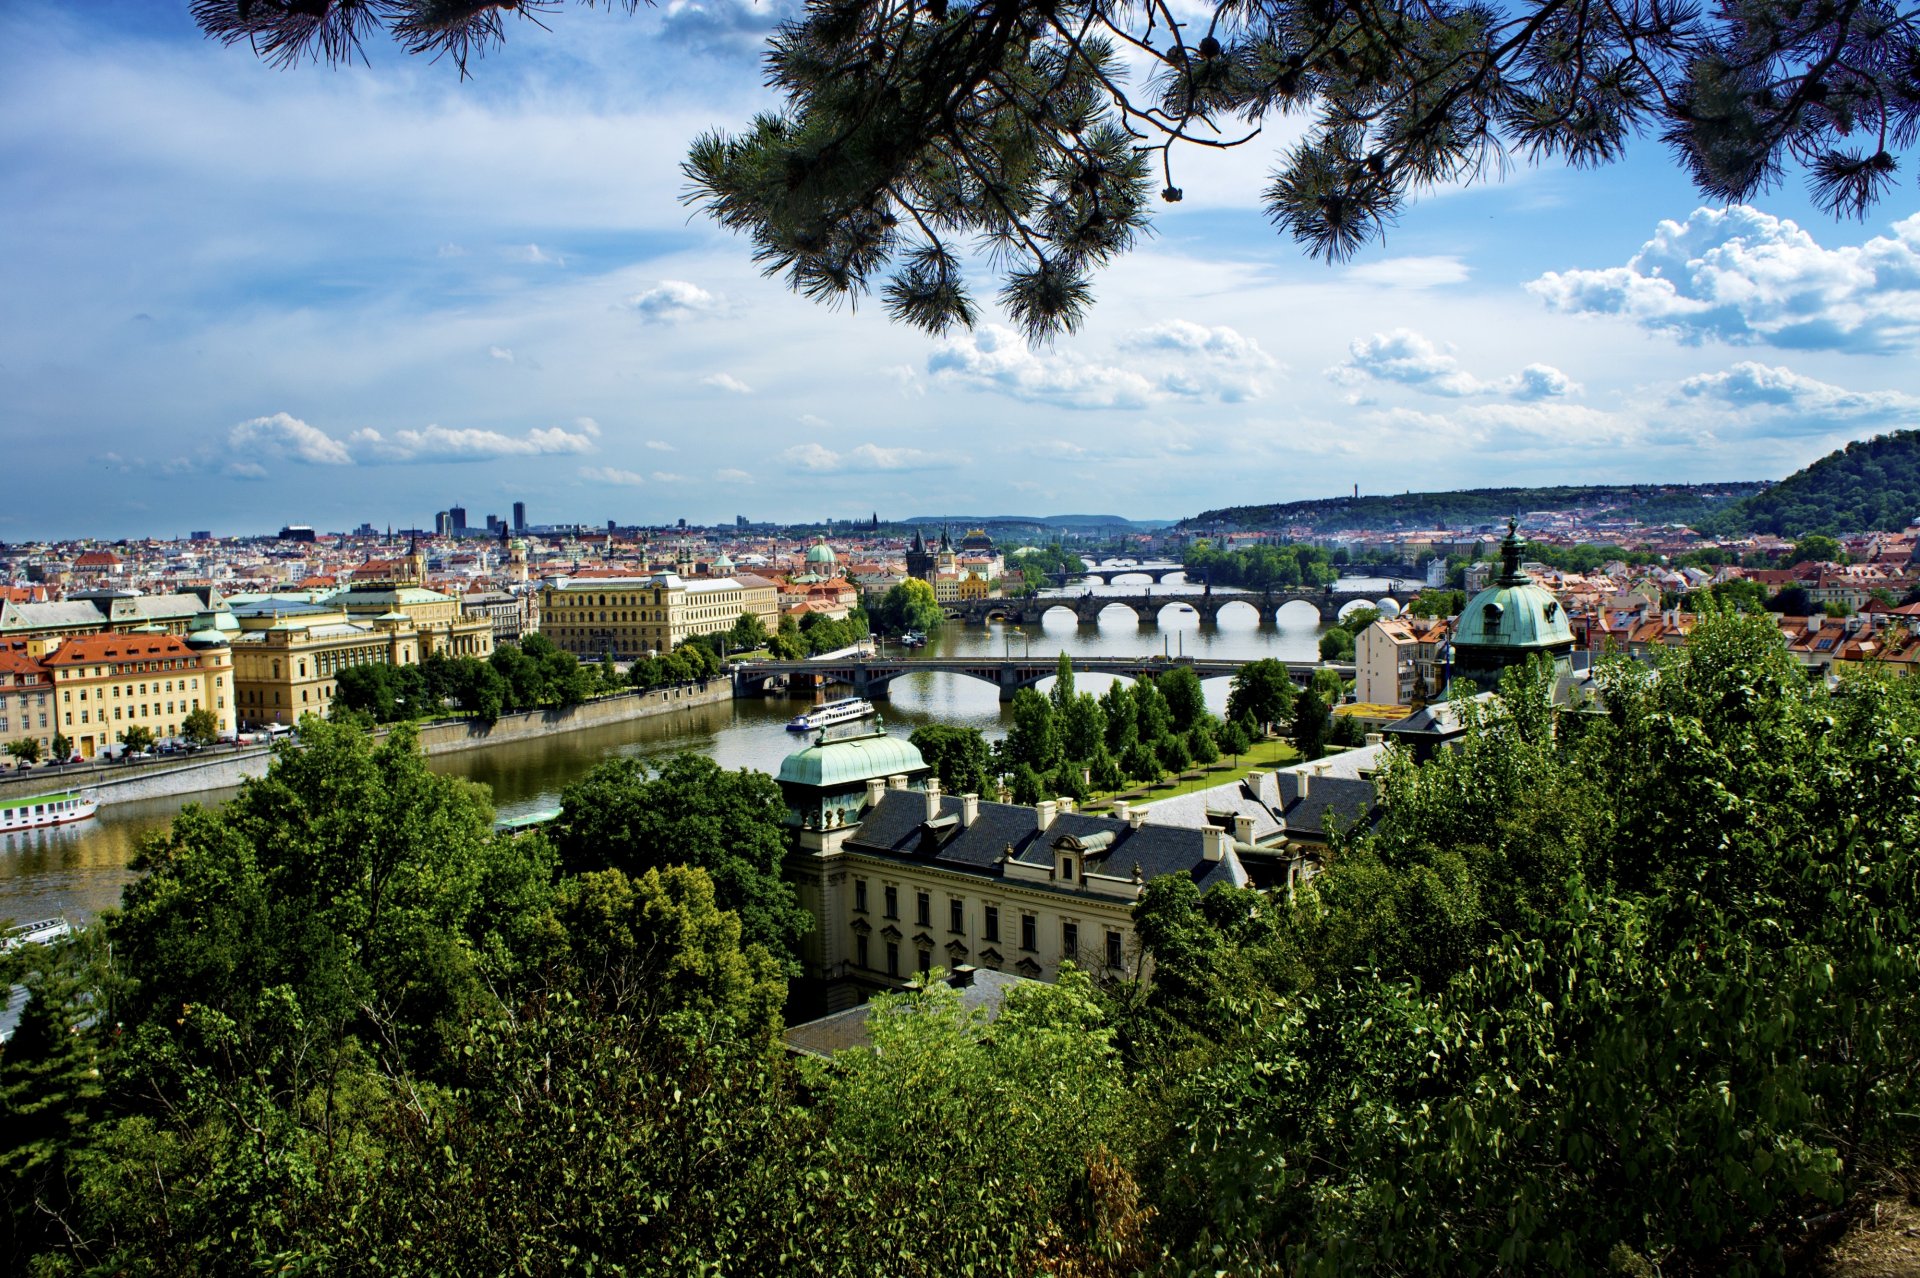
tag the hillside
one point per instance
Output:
(1649, 503)
(1870, 484)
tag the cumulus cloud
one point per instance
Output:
(1176, 359)
(726, 382)
(738, 27)
(284, 435)
(1753, 385)
(612, 475)
(660, 446)
(731, 475)
(501, 353)
(668, 477)
(1411, 272)
(1743, 276)
(821, 460)
(1407, 358)
(244, 470)
(674, 302)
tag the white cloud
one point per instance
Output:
(537, 256)
(819, 459)
(674, 301)
(612, 475)
(1411, 272)
(1176, 359)
(726, 382)
(730, 475)
(500, 353)
(283, 435)
(244, 470)
(1743, 276)
(668, 477)
(1407, 358)
(660, 446)
(1753, 385)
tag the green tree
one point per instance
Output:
(1083, 727)
(1033, 738)
(1186, 702)
(1235, 739)
(909, 606)
(1202, 745)
(1142, 763)
(200, 727)
(1336, 645)
(1310, 723)
(1107, 774)
(689, 812)
(1171, 751)
(959, 756)
(62, 747)
(1817, 548)
(1117, 706)
(1437, 603)
(26, 749)
(1262, 693)
(748, 633)
(1062, 692)
(136, 738)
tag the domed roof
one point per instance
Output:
(723, 563)
(821, 553)
(851, 760)
(1513, 612)
(207, 639)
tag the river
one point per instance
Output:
(78, 870)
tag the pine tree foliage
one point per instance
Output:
(915, 133)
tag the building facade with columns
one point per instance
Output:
(901, 879)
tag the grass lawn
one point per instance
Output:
(1265, 754)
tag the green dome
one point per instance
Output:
(207, 639)
(821, 553)
(851, 760)
(1513, 612)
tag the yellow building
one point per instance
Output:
(105, 684)
(633, 616)
(442, 627)
(289, 654)
(27, 709)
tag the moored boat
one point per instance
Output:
(829, 713)
(44, 810)
(38, 932)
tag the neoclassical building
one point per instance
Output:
(900, 878)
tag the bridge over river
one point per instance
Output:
(1148, 606)
(1160, 570)
(870, 677)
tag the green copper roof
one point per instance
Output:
(1513, 612)
(851, 760)
(821, 553)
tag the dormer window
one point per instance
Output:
(1066, 868)
(1552, 610)
(1491, 614)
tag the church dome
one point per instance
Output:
(208, 638)
(822, 554)
(723, 564)
(1513, 612)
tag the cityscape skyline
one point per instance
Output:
(360, 286)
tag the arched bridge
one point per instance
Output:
(1147, 607)
(871, 676)
(1101, 574)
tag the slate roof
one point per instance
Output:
(986, 990)
(1275, 803)
(898, 826)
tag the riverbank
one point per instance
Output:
(223, 767)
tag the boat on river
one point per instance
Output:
(829, 713)
(44, 810)
(38, 932)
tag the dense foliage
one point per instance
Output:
(1032, 569)
(908, 131)
(1631, 987)
(909, 606)
(1649, 503)
(1262, 567)
(1870, 484)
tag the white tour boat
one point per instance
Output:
(828, 713)
(38, 932)
(45, 809)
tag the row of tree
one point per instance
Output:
(1634, 990)
(1261, 567)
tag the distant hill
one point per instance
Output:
(1870, 484)
(1038, 521)
(1649, 503)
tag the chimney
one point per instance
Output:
(1136, 818)
(1121, 808)
(1302, 777)
(961, 976)
(1213, 843)
(1243, 829)
(969, 809)
(1375, 738)
(933, 798)
(898, 781)
(876, 786)
(1044, 811)
(1065, 802)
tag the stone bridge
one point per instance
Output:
(870, 677)
(1148, 607)
(1101, 574)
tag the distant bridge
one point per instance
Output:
(870, 677)
(1148, 607)
(1160, 570)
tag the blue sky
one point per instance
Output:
(232, 297)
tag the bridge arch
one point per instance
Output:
(1297, 614)
(1239, 610)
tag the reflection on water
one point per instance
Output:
(78, 870)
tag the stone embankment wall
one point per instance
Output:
(226, 766)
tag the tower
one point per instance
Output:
(1509, 623)
(919, 559)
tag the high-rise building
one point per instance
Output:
(494, 525)
(519, 517)
(443, 524)
(458, 515)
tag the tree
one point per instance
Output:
(1171, 751)
(1141, 763)
(1201, 744)
(689, 812)
(1083, 727)
(62, 747)
(959, 756)
(1310, 724)
(26, 749)
(1437, 603)
(1235, 739)
(1186, 702)
(1117, 705)
(1817, 548)
(200, 727)
(1262, 693)
(1105, 770)
(909, 606)
(1062, 692)
(137, 738)
(748, 633)
(907, 132)
(1033, 738)
(1336, 645)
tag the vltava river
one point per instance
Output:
(79, 870)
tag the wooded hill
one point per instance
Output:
(1871, 484)
(1649, 503)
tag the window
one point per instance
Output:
(926, 962)
(1069, 939)
(1029, 932)
(860, 898)
(893, 901)
(956, 914)
(1066, 868)
(990, 923)
(923, 908)
(893, 958)
(1113, 949)
(859, 950)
